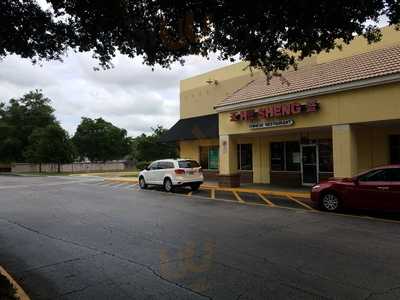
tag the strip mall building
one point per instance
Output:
(337, 115)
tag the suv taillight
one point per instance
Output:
(179, 171)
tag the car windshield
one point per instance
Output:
(188, 164)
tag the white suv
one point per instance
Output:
(171, 173)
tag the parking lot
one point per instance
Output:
(275, 199)
(83, 238)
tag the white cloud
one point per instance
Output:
(130, 95)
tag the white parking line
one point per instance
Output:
(129, 186)
(37, 185)
(118, 185)
(107, 184)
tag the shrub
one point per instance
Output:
(140, 165)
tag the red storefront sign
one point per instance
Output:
(275, 110)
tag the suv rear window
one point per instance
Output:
(166, 165)
(188, 164)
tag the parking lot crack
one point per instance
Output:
(99, 251)
(300, 270)
(52, 265)
(77, 291)
(306, 291)
(373, 294)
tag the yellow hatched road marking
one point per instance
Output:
(238, 197)
(300, 203)
(212, 193)
(265, 199)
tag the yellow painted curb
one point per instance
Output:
(258, 191)
(20, 292)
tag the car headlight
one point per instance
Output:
(316, 187)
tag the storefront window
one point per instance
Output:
(209, 157)
(325, 156)
(245, 156)
(285, 156)
(292, 150)
(277, 156)
(395, 149)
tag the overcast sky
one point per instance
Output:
(130, 95)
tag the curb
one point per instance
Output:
(20, 292)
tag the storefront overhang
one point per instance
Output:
(203, 127)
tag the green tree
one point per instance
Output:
(164, 31)
(19, 119)
(145, 148)
(50, 144)
(99, 140)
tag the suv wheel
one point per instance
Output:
(330, 202)
(195, 187)
(142, 183)
(168, 187)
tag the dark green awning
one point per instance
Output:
(204, 127)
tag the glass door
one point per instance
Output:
(309, 164)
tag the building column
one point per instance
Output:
(228, 175)
(344, 151)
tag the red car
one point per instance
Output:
(377, 189)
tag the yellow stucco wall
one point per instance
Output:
(191, 149)
(344, 150)
(360, 45)
(197, 97)
(358, 148)
(373, 145)
(350, 107)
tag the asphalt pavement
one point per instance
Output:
(79, 238)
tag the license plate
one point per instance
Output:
(190, 172)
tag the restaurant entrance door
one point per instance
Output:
(309, 164)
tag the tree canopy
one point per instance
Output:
(99, 140)
(29, 132)
(165, 31)
(50, 144)
(147, 148)
(19, 119)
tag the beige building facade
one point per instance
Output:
(337, 115)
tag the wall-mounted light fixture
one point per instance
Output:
(212, 81)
